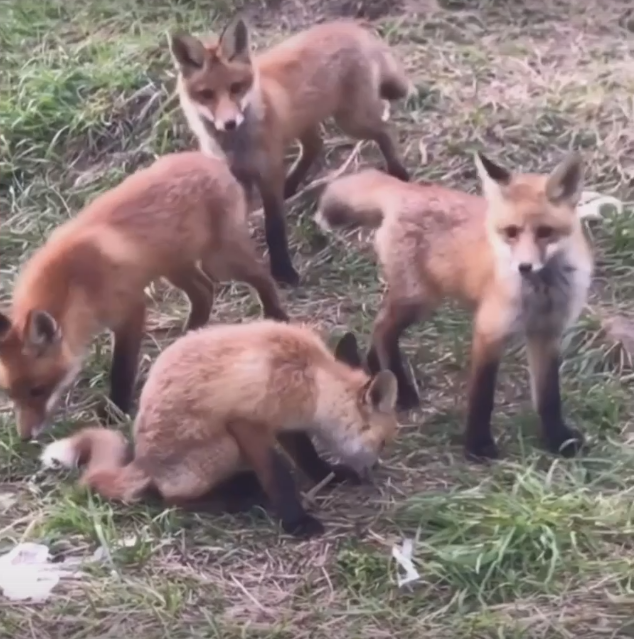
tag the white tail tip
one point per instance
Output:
(59, 453)
(386, 111)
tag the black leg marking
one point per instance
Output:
(479, 442)
(276, 239)
(285, 499)
(301, 449)
(559, 437)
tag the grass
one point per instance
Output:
(531, 546)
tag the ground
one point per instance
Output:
(531, 546)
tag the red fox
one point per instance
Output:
(217, 400)
(91, 274)
(517, 256)
(252, 107)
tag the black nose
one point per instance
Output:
(230, 125)
(525, 268)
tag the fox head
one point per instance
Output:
(35, 368)
(362, 419)
(217, 79)
(532, 218)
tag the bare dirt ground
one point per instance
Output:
(531, 546)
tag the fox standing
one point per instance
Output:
(251, 108)
(518, 256)
(219, 399)
(91, 273)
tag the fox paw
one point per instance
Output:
(566, 442)
(481, 450)
(304, 527)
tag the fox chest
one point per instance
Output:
(241, 151)
(551, 300)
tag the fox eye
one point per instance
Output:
(236, 88)
(206, 94)
(544, 232)
(511, 232)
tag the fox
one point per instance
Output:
(184, 219)
(216, 403)
(250, 107)
(516, 256)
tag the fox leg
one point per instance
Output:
(125, 357)
(365, 122)
(199, 291)
(543, 362)
(312, 145)
(257, 446)
(394, 317)
(271, 187)
(299, 446)
(491, 327)
(243, 264)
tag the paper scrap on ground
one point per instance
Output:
(591, 202)
(27, 573)
(403, 556)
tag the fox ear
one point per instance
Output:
(492, 176)
(565, 183)
(235, 41)
(347, 351)
(5, 325)
(41, 330)
(381, 392)
(187, 51)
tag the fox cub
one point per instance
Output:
(218, 400)
(91, 273)
(517, 256)
(252, 107)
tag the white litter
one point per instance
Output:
(27, 573)
(403, 556)
(592, 202)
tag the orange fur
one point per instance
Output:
(252, 107)
(517, 257)
(216, 399)
(91, 274)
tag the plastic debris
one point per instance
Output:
(591, 203)
(403, 556)
(26, 573)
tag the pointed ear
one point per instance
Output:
(381, 392)
(5, 325)
(41, 330)
(235, 41)
(565, 183)
(347, 351)
(187, 51)
(493, 177)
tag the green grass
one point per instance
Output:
(531, 546)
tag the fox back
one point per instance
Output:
(266, 372)
(91, 273)
(296, 83)
(435, 242)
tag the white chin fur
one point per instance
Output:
(59, 453)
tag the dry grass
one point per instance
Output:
(528, 547)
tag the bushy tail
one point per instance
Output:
(358, 199)
(104, 453)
